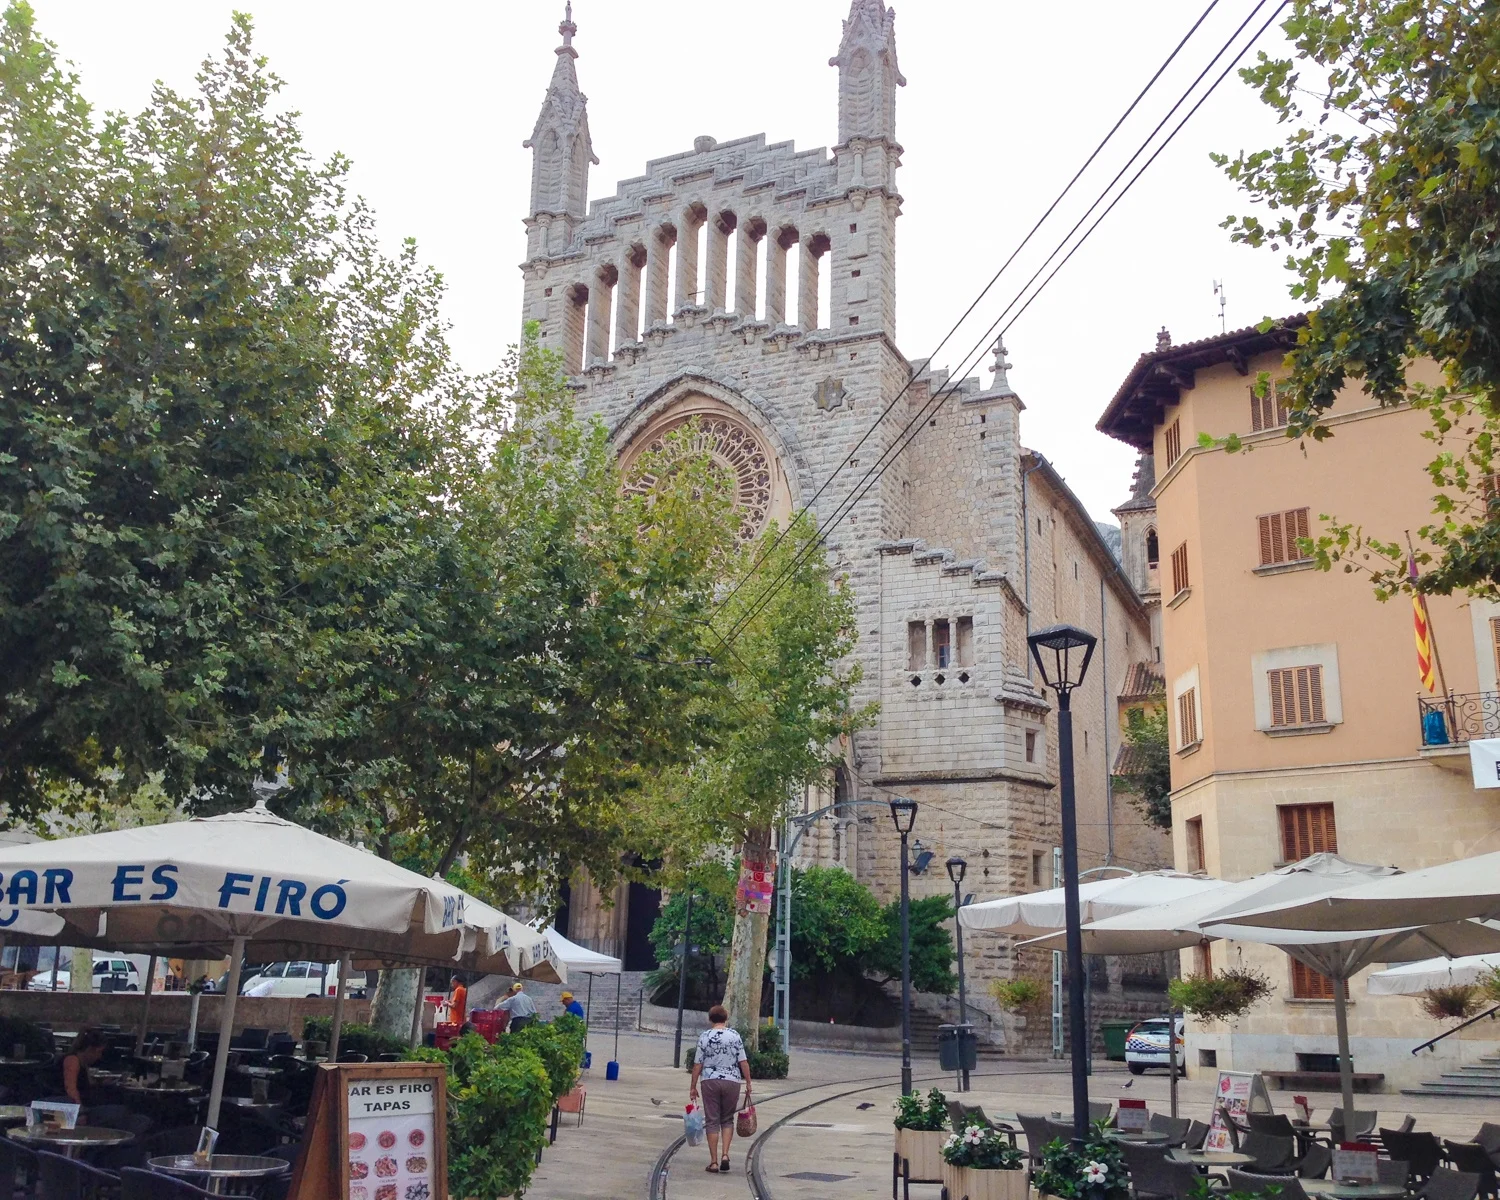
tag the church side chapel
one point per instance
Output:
(751, 286)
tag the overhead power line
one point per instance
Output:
(916, 423)
(849, 458)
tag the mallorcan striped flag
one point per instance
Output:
(1423, 629)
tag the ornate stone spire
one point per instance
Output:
(868, 73)
(1000, 385)
(561, 148)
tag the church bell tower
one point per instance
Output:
(561, 152)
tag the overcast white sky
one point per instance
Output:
(1004, 100)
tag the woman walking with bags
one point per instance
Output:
(721, 1064)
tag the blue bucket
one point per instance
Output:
(588, 1059)
(612, 1070)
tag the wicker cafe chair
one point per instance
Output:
(1419, 1150)
(1176, 1128)
(1196, 1135)
(136, 1184)
(1257, 1185)
(1315, 1163)
(70, 1179)
(1154, 1176)
(1036, 1133)
(1448, 1184)
(1471, 1159)
(1273, 1155)
(1390, 1170)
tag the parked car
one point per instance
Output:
(1146, 1046)
(308, 979)
(110, 974)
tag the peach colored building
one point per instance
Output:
(1294, 709)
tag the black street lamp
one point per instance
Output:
(956, 868)
(682, 975)
(904, 814)
(1062, 654)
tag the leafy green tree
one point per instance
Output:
(1150, 779)
(836, 922)
(1385, 193)
(931, 946)
(713, 926)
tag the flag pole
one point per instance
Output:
(1437, 659)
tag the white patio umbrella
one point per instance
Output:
(1038, 913)
(241, 878)
(1453, 891)
(589, 962)
(1339, 955)
(1412, 979)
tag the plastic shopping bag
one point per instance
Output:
(692, 1124)
(744, 1121)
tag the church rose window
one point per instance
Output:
(732, 447)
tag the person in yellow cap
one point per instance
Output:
(572, 1006)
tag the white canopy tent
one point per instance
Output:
(1414, 978)
(1038, 913)
(253, 878)
(581, 960)
(1339, 955)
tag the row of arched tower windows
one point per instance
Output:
(704, 260)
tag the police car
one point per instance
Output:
(1146, 1046)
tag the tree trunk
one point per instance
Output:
(81, 970)
(747, 952)
(396, 997)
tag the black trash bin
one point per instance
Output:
(958, 1049)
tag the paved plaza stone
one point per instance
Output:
(838, 1149)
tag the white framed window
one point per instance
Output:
(1296, 689)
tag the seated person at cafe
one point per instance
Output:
(522, 1008)
(87, 1051)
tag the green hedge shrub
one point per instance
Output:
(354, 1038)
(499, 1105)
(559, 1045)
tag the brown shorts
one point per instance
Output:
(721, 1097)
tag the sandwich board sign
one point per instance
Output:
(1238, 1093)
(375, 1131)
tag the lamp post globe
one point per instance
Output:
(1062, 654)
(904, 817)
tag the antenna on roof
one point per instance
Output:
(1223, 302)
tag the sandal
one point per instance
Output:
(724, 1165)
(712, 1168)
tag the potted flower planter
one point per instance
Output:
(922, 1151)
(971, 1183)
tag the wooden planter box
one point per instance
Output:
(918, 1157)
(966, 1183)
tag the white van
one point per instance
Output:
(306, 979)
(110, 974)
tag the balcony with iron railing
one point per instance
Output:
(1452, 721)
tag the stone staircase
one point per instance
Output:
(1478, 1079)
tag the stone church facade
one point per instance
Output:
(671, 299)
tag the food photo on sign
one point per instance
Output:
(756, 886)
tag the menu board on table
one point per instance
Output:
(375, 1131)
(1356, 1162)
(390, 1138)
(1133, 1116)
(1238, 1093)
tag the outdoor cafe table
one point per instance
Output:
(225, 1174)
(71, 1142)
(1145, 1137)
(1353, 1191)
(1208, 1159)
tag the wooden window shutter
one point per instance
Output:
(1307, 829)
(1278, 536)
(1187, 718)
(1495, 640)
(1297, 517)
(1277, 681)
(1257, 421)
(1313, 677)
(1180, 569)
(1173, 441)
(1267, 542)
(1308, 984)
(1296, 696)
